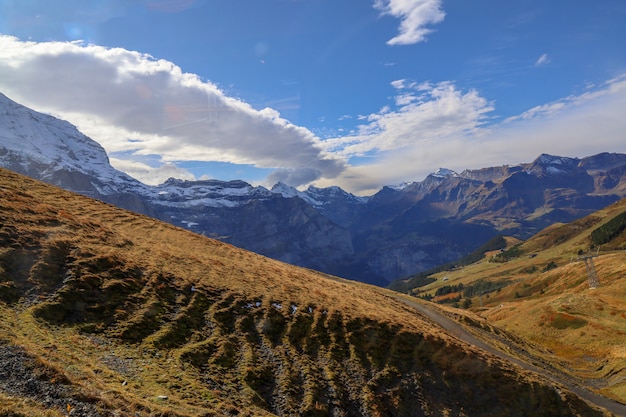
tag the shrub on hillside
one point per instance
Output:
(514, 251)
(609, 231)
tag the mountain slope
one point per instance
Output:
(106, 312)
(540, 289)
(54, 151)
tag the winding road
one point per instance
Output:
(459, 331)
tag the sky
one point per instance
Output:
(354, 93)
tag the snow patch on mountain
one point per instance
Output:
(444, 173)
(209, 193)
(320, 196)
(553, 165)
(317, 196)
(401, 186)
(37, 143)
(440, 175)
(286, 190)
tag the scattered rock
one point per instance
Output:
(18, 377)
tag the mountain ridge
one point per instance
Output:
(392, 234)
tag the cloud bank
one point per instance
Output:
(133, 103)
(445, 127)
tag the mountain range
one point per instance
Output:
(399, 231)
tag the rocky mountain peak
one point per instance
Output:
(46, 139)
(604, 161)
(333, 193)
(553, 165)
(285, 190)
(55, 151)
(444, 173)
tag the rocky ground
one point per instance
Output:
(20, 377)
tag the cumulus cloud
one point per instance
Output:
(132, 102)
(424, 113)
(414, 15)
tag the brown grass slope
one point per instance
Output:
(545, 298)
(104, 312)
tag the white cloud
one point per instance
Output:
(425, 113)
(149, 174)
(542, 60)
(129, 101)
(414, 15)
(613, 87)
(576, 126)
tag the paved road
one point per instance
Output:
(458, 331)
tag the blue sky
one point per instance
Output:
(358, 94)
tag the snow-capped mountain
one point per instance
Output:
(318, 196)
(333, 202)
(398, 231)
(205, 193)
(444, 173)
(255, 218)
(54, 151)
(32, 142)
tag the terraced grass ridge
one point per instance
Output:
(107, 313)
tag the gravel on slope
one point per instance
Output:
(18, 377)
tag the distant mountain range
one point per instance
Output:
(397, 232)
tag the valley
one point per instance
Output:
(515, 350)
(541, 291)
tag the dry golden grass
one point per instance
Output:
(124, 309)
(19, 407)
(580, 330)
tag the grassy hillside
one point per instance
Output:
(539, 290)
(104, 312)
